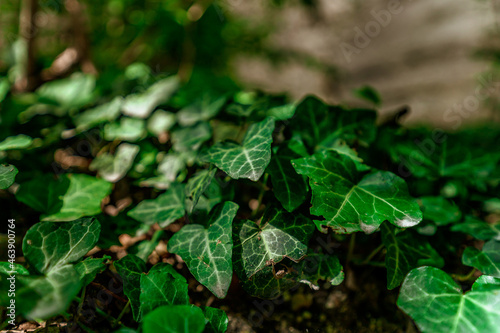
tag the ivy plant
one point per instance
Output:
(229, 191)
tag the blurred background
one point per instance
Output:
(428, 55)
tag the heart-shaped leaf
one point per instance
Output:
(248, 160)
(195, 187)
(141, 105)
(216, 320)
(41, 297)
(49, 245)
(279, 235)
(191, 138)
(350, 202)
(323, 125)
(207, 251)
(289, 187)
(131, 269)
(114, 167)
(100, 114)
(436, 303)
(174, 319)
(163, 210)
(405, 251)
(68, 198)
(487, 260)
(162, 285)
(478, 229)
(89, 268)
(7, 175)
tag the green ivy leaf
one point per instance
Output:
(478, 229)
(439, 210)
(264, 283)
(88, 269)
(196, 186)
(131, 268)
(316, 267)
(207, 251)
(289, 187)
(487, 260)
(20, 141)
(41, 297)
(248, 160)
(191, 138)
(279, 235)
(164, 210)
(216, 320)
(174, 319)
(72, 92)
(68, 198)
(100, 114)
(436, 303)
(203, 109)
(162, 285)
(405, 251)
(49, 245)
(128, 129)
(7, 268)
(7, 175)
(160, 122)
(320, 124)
(350, 202)
(141, 105)
(114, 167)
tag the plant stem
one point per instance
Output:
(463, 278)
(372, 254)
(263, 190)
(350, 251)
(123, 311)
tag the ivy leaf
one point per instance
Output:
(248, 160)
(164, 210)
(160, 122)
(405, 251)
(216, 320)
(350, 202)
(174, 319)
(487, 260)
(264, 283)
(436, 303)
(289, 187)
(196, 186)
(100, 114)
(113, 168)
(88, 269)
(67, 198)
(162, 285)
(72, 92)
(316, 267)
(128, 129)
(439, 210)
(323, 125)
(478, 229)
(42, 297)
(279, 235)
(207, 251)
(343, 149)
(141, 105)
(48, 245)
(20, 141)
(7, 175)
(7, 268)
(191, 138)
(130, 269)
(202, 110)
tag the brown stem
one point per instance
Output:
(28, 30)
